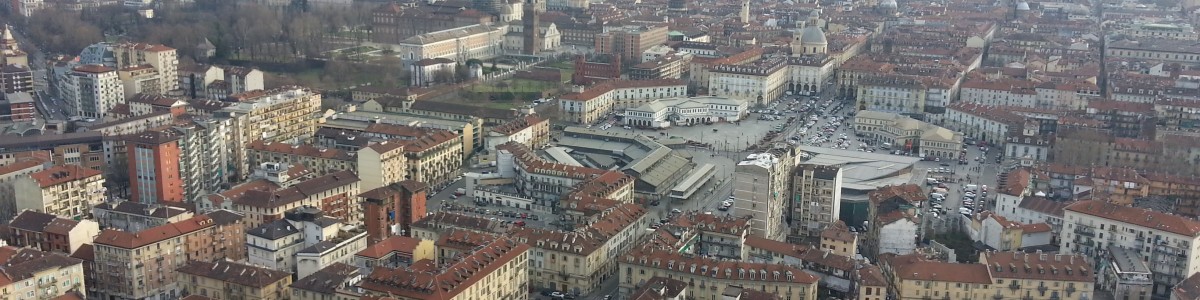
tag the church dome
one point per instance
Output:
(1023, 5)
(889, 4)
(813, 35)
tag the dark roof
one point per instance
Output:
(232, 272)
(462, 109)
(135, 208)
(275, 230)
(224, 217)
(659, 288)
(299, 191)
(31, 221)
(1188, 288)
(49, 141)
(24, 263)
(327, 280)
(319, 247)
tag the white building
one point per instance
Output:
(663, 113)
(1005, 92)
(809, 73)
(1168, 243)
(458, 44)
(816, 198)
(93, 90)
(898, 236)
(759, 83)
(595, 103)
(68, 191)
(1001, 234)
(760, 190)
(303, 242)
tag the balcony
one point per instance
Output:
(1085, 231)
(1042, 289)
(1070, 290)
(998, 297)
(1027, 297)
(1014, 286)
(46, 283)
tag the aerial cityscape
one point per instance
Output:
(600, 149)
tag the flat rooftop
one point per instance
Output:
(863, 170)
(361, 119)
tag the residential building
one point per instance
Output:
(231, 280)
(1166, 240)
(93, 90)
(999, 233)
(144, 264)
(203, 155)
(34, 274)
(839, 240)
(154, 158)
(663, 113)
(630, 41)
(333, 194)
(16, 79)
(393, 253)
(531, 130)
(1002, 92)
(597, 101)
(998, 275)
(872, 285)
(1125, 275)
(162, 58)
(1187, 289)
(577, 261)
(19, 107)
(50, 233)
(895, 131)
(333, 282)
(498, 270)
(661, 288)
(67, 191)
(391, 210)
(670, 66)
(278, 115)
(895, 224)
(760, 189)
(434, 226)
(133, 216)
(243, 79)
(303, 241)
(711, 277)
(719, 236)
(477, 41)
(759, 83)
(1157, 48)
(816, 198)
(9, 173)
(140, 79)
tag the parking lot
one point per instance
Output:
(734, 137)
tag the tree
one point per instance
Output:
(443, 76)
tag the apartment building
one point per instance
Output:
(577, 261)
(335, 194)
(391, 210)
(532, 131)
(895, 220)
(1160, 49)
(337, 281)
(719, 236)
(133, 217)
(498, 270)
(670, 66)
(34, 274)
(290, 243)
(93, 90)
(16, 79)
(18, 106)
(154, 170)
(319, 160)
(162, 58)
(630, 41)
(597, 101)
(477, 41)
(51, 233)
(144, 264)
(872, 285)
(68, 191)
(759, 83)
(997, 275)
(9, 173)
(434, 158)
(710, 278)
(280, 115)
(231, 280)
(1166, 242)
(816, 196)
(394, 252)
(896, 131)
(839, 240)
(204, 164)
(760, 189)
(216, 83)
(140, 79)
(999, 233)
(79, 148)
(1126, 275)
(1002, 92)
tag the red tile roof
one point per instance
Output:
(450, 281)
(1038, 266)
(675, 262)
(131, 240)
(62, 174)
(1138, 216)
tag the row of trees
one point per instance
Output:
(239, 29)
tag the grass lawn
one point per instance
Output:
(514, 85)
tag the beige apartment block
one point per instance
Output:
(578, 261)
(498, 270)
(68, 191)
(816, 198)
(231, 280)
(142, 265)
(997, 276)
(32, 274)
(708, 278)
(286, 114)
(760, 190)
(161, 57)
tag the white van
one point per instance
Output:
(965, 211)
(932, 181)
(970, 187)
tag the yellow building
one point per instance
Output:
(27, 273)
(838, 239)
(998, 275)
(498, 270)
(231, 280)
(68, 191)
(708, 278)
(871, 283)
(162, 58)
(578, 261)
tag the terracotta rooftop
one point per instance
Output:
(131, 240)
(448, 282)
(298, 192)
(675, 262)
(300, 150)
(393, 244)
(1038, 266)
(235, 273)
(62, 174)
(1138, 216)
(909, 267)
